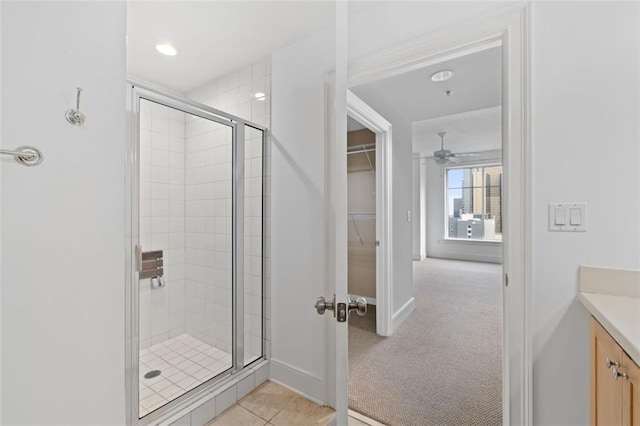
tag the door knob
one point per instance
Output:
(359, 305)
(323, 305)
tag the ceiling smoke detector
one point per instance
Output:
(440, 76)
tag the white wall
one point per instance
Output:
(579, 116)
(419, 252)
(299, 223)
(63, 221)
(437, 245)
(402, 227)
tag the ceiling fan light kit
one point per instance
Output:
(445, 156)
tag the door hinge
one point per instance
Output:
(506, 280)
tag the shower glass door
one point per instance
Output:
(197, 307)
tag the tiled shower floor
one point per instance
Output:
(185, 362)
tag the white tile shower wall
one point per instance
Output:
(208, 308)
(253, 243)
(235, 93)
(162, 219)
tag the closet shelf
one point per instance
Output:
(361, 150)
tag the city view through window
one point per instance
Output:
(474, 203)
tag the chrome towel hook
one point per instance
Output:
(74, 116)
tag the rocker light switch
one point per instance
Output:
(559, 216)
(568, 217)
(575, 216)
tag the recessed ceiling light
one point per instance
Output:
(260, 96)
(166, 49)
(441, 76)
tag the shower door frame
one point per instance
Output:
(135, 92)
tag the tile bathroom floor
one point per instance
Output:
(185, 362)
(272, 404)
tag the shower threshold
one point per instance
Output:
(184, 363)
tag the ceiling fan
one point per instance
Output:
(444, 156)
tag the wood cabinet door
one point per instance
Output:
(630, 392)
(606, 392)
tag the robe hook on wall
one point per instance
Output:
(74, 116)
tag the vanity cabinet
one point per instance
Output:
(615, 382)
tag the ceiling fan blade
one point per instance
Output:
(453, 159)
(467, 154)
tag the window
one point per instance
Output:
(474, 203)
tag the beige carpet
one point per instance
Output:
(443, 366)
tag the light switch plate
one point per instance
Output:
(568, 217)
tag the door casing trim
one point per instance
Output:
(372, 120)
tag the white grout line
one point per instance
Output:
(166, 356)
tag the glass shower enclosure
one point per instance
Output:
(195, 282)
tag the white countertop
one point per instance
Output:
(620, 316)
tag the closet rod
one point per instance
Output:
(361, 148)
(362, 151)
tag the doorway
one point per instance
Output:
(369, 200)
(468, 237)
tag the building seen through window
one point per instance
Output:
(474, 203)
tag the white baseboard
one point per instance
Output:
(370, 300)
(299, 381)
(403, 313)
(468, 257)
(364, 419)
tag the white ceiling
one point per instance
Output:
(216, 37)
(353, 125)
(412, 97)
(472, 131)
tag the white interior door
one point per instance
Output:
(338, 176)
(340, 102)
